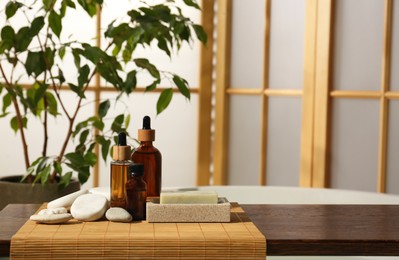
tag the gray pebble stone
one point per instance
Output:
(116, 214)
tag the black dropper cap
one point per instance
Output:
(146, 133)
(136, 169)
(122, 139)
(147, 123)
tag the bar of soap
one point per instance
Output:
(189, 197)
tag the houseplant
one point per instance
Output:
(35, 52)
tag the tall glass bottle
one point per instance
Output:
(150, 156)
(119, 171)
(136, 192)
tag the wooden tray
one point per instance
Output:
(239, 239)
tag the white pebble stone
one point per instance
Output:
(51, 218)
(59, 210)
(116, 214)
(89, 207)
(67, 200)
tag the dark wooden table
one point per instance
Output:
(289, 229)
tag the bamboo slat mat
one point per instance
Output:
(239, 239)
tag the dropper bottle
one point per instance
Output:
(119, 171)
(150, 156)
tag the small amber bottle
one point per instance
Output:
(136, 192)
(119, 171)
(150, 156)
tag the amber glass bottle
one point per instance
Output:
(119, 171)
(136, 192)
(150, 156)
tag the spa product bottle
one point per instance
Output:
(119, 171)
(136, 192)
(150, 156)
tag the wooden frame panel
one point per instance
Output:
(223, 53)
(386, 67)
(320, 172)
(265, 99)
(308, 94)
(205, 96)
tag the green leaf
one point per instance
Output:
(61, 52)
(88, 6)
(191, 3)
(70, 3)
(6, 101)
(94, 54)
(83, 136)
(40, 91)
(126, 55)
(45, 175)
(90, 158)
(117, 123)
(103, 108)
(164, 100)
(182, 85)
(163, 45)
(35, 63)
(37, 25)
(65, 180)
(12, 8)
(201, 34)
(83, 174)
(77, 90)
(127, 121)
(79, 126)
(7, 38)
(7, 33)
(105, 144)
(47, 4)
(97, 123)
(83, 75)
(145, 64)
(52, 104)
(131, 82)
(76, 57)
(55, 23)
(14, 124)
(57, 167)
(31, 169)
(153, 85)
(76, 160)
(23, 38)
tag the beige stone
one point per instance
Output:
(188, 212)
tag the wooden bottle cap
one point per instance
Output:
(121, 153)
(145, 135)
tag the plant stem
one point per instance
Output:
(8, 87)
(45, 128)
(71, 123)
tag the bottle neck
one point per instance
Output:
(146, 143)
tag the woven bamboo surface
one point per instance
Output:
(239, 239)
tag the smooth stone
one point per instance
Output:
(189, 197)
(89, 207)
(53, 211)
(67, 200)
(117, 214)
(105, 191)
(51, 218)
